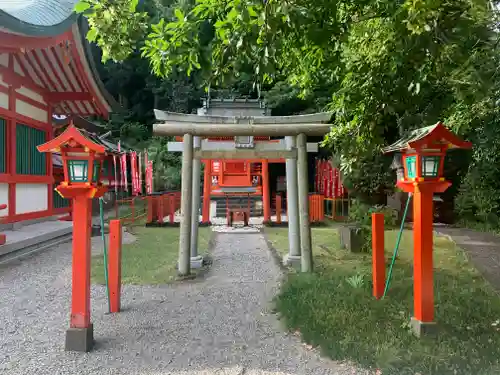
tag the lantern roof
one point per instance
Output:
(72, 134)
(437, 133)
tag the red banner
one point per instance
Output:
(115, 181)
(133, 173)
(327, 180)
(123, 165)
(149, 177)
(146, 166)
(139, 187)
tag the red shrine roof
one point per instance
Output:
(43, 48)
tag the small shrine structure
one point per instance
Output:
(236, 181)
(197, 145)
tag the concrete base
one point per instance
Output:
(196, 262)
(80, 339)
(423, 329)
(292, 261)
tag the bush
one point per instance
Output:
(361, 215)
(478, 200)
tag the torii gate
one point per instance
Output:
(295, 128)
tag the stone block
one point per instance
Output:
(292, 261)
(423, 329)
(352, 238)
(80, 339)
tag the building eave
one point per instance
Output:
(67, 17)
(83, 28)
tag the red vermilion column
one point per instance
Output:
(114, 264)
(207, 181)
(423, 292)
(378, 259)
(266, 201)
(11, 154)
(80, 297)
(278, 208)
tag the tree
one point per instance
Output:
(383, 66)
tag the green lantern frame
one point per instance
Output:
(78, 170)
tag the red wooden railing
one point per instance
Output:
(130, 210)
(316, 208)
(161, 206)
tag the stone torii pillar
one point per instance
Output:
(196, 259)
(184, 266)
(306, 263)
(293, 256)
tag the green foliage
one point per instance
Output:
(114, 25)
(166, 165)
(361, 213)
(369, 178)
(479, 195)
(356, 281)
(382, 66)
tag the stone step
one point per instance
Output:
(35, 237)
(236, 203)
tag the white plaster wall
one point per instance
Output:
(4, 100)
(4, 198)
(4, 59)
(31, 111)
(2, 82)
(31, 198)
(31, 94)
(17, 68)
(213, 209)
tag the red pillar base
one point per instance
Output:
(423, 329)
(3, 239)
(80, 339)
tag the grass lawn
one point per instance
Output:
(336, 312)
(152, 258)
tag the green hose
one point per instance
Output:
(396, 248)
(101, 209)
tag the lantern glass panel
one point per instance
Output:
(78, 170)
(411, 169)
(430, 166)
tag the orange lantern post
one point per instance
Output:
(423, 151)
(82, 159)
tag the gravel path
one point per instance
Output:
(218, 325)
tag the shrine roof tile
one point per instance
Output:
(38, 17)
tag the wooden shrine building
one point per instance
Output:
(46, 68)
